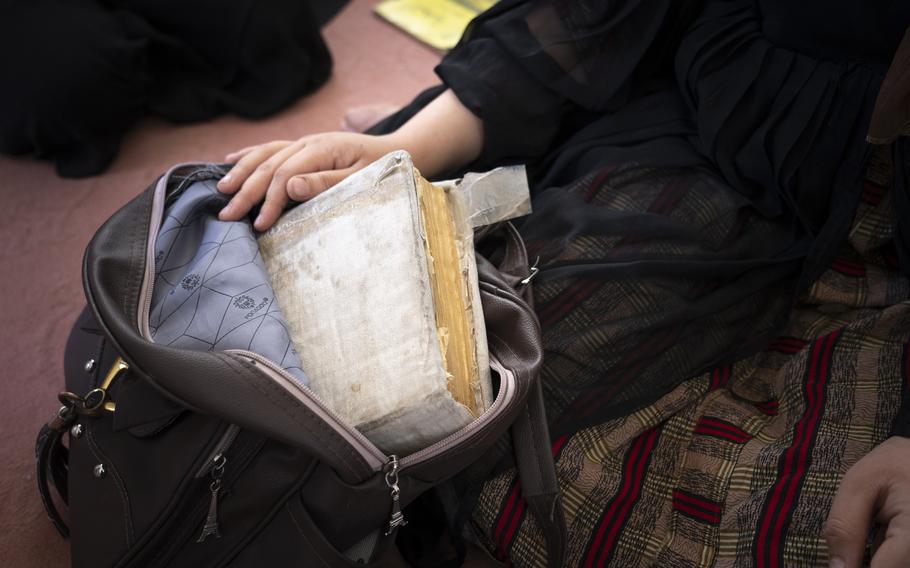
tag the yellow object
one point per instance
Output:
(118, 368)
(438, 23)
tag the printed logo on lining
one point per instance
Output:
(189, 282)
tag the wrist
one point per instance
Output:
(442, 137)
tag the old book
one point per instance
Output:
(377, 283)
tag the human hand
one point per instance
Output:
(444, 135)
(298, 170)
(876, 487)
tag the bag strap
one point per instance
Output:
(530, 434)
(51, 458)
(534, 460)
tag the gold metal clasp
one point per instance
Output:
(99, 398)
(117, 369)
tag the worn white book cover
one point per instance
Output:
(354, 276)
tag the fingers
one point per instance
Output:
(299, 188)
(895, 549)
(275, 200)
(234, 156)
(309, 171)
(850, 518)
(249, 179)
(276, 172)
(248, 159)
(307, 186)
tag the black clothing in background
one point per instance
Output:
(78, 73)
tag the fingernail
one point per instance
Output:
(300, 188)
(225, 180)
(258, 222)
(837, 562)
(226, 212)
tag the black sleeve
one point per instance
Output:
(524, 65)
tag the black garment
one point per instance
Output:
(80, 72)
(694, 166)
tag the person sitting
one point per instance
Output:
(723, 267)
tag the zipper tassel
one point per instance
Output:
(211, 519)
(391, 480)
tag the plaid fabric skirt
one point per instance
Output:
(737, 466)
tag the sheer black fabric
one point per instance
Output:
(78, 73)
(694, 166)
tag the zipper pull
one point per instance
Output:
(211, 519)
(391, 480)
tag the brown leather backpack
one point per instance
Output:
(180, 457)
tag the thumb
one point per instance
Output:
(307, 186)
(850, 518)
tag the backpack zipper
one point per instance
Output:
(230, 434)
(364, 446)
(210, 528)
(391, 480)
(184, 519)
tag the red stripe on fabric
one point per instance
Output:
(848, 267)
(598, 182)
(637, 482)
(513, 526)
(617, 511)
(769, 407)
(695, 500)
(729, 436)
(669, 197)
(572, 297)
(722, 425)
(505, 515)
(720, 376)
(723, 432)
(632, 458)
(795, 459)
(559, 444)
(778, 488)
(503, 536)
(800, 467)
(700, 515)
(872, 193)
(787, 344)
(630, 366)
(569, 302)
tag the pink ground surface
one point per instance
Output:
(48, 221)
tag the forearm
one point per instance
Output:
(443, 136)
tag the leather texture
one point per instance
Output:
(289, 474)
